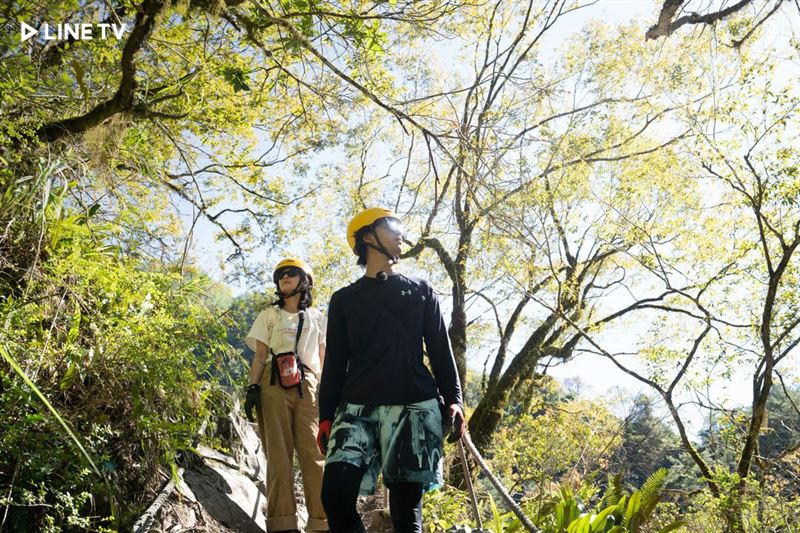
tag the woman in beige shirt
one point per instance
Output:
(288, 418)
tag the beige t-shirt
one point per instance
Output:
(277, 329)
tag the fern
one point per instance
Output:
(497, 520)
(614, 491)
(651, 492)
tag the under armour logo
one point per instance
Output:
(405, 293)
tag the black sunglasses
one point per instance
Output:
(291, 271)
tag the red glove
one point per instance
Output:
(457, 414)
(324, 435)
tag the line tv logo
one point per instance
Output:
(77, 31)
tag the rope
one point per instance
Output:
(470, 488)
(509, 501)
(145, 522)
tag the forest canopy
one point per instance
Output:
(583, 190)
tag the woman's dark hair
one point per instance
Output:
(306, 299)
(361, 246)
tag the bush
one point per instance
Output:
(120, 350)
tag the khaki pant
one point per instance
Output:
(288, 423)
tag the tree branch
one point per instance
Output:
(123, 98)
(665, 28)
(738, 42)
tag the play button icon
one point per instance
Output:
(26, 32)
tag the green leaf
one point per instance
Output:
(79, 72)
(237, 78)
(632, 509)
(672, 526)
(67, 82)
(599, 522)
(581, 525)
(75, 326)
(11, 361)
(34, 418)
(498, 523)
(651, 490)
(69, 376)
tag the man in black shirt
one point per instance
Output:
(379, 407)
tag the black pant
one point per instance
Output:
(340, 484)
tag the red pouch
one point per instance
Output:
(290, 371)
(286, 365)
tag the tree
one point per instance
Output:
(760, 12)
(648, 444)
(565, 442)
(198, 113)
(202, 105)
(506, 133)
(749, 237)
(720, 440)
(783, 436)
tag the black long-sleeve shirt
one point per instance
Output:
(375, 359)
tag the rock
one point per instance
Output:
(246, 448)
(178, 516)
(224, 492)
(379, 521)
(186, 519)
(228, 496)
(216, 492)
(208, 453)
(374, 511)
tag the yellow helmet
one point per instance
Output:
(363, 219)
(294, 262)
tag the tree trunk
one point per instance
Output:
(458, 318)
(458, 334)
(486, 417)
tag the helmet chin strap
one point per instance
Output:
(301, 286)
(393, 259)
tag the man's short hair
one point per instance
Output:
(361, 246)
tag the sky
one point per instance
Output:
(594, 375)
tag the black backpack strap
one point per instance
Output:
(274, 365)
(274, 372)
(297, 355)
(299, 331)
